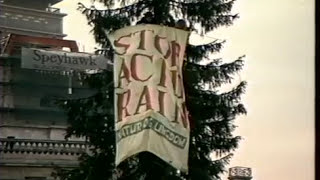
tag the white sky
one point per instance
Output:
(277, 37)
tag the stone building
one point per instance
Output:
(32, 127)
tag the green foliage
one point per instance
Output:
(212, 113)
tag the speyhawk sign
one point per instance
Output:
(60, 60)
(150, 110)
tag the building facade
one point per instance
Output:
(32, 127)
(32, 17)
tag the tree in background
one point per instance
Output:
(212, 114)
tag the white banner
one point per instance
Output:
(150, 111)
(61, 60)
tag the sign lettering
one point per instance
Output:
(150, 100)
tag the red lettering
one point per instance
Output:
(174, 79)
(125, 46)
(163, 74)
(175, 53)
(161, 102)
(177, 83)
(158, 46)
(142, 44)
(134, 73)
(180, 89)
(123, 74)
(122, 107)
(144, 95)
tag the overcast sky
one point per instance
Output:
(277, 37)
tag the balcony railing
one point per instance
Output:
(30, 21)
(11, 145)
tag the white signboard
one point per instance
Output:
(61, 60)
(150, 110)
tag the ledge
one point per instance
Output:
(60, 35)
(32, 146)
(65, 164)
(48, 13)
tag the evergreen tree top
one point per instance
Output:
(208, 14)
(212, 113)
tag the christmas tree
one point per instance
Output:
(212, 114)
